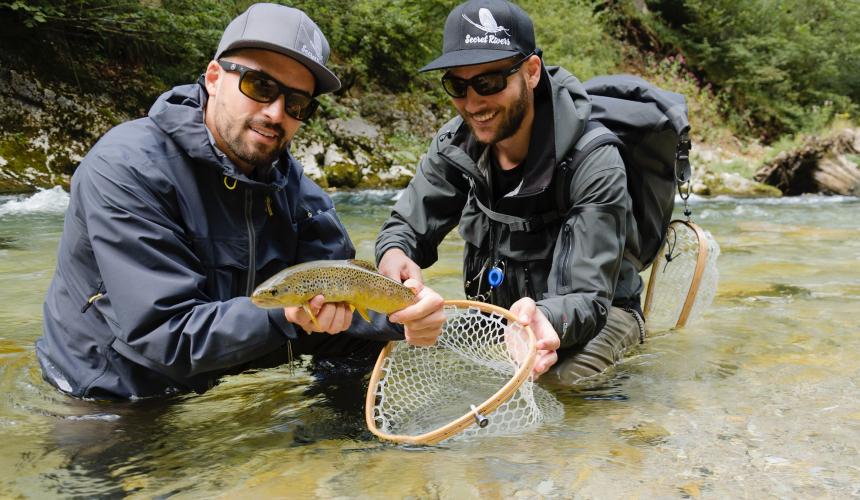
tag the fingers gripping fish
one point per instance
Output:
(355, 282)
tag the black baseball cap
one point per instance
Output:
(482, 31)
(285, 30)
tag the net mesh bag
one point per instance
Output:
(476, 380)
(684, 277)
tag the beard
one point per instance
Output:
(512, 118)
(256, 155)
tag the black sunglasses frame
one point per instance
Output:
(503, 74)
(243, 71)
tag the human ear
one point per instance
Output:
(532, 70)
(212, 77)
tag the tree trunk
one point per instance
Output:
(819, 166)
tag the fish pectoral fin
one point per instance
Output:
(306, 306)
(363, 312)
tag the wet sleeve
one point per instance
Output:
(154, 282)
(428, 208)
(588, 252)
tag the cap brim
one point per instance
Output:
(326, 81)
(467, 57)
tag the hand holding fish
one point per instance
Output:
(398, 266)
(302, 290)
(331, 317)
(423, 320)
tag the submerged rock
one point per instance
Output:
(731, 184)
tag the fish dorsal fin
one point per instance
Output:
(363, 264)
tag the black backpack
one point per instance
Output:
(650, 128)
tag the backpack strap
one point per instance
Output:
(518, 223)
(595, 136)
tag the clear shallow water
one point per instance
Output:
(760, 398)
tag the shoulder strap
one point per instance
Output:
(518, 223)
(596, 135)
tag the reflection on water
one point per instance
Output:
(758, 399)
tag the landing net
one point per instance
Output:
(476, 380)
(684, 277)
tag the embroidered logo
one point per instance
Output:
(315, 41)
(487, 24)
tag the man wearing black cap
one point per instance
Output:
(494, 170)
(175, 218)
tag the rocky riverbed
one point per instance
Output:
(46, 129)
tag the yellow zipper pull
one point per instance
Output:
(228, 186)
(269, 206)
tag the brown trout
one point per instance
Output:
(355, 282)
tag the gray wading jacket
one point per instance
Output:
(163, 241)
(573, 266)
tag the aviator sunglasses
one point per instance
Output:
(484, 84)
(263, 88)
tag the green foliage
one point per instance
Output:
(782, 65)
(101, 44)
(380, 42)
(572, 35)
(777, 66)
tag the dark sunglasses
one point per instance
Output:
(263, 88)
(484, 84)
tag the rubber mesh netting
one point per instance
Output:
(424, 388)
(673, 276)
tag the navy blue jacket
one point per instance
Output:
(163, 241)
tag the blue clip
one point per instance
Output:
(495, 276)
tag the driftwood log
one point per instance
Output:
(826, 165)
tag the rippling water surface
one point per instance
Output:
(759, 398)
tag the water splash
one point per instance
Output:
(54, 200)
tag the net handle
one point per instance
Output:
(701, 260)
(468, 419)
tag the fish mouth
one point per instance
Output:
(266, 302)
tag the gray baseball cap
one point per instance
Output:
(285, 30)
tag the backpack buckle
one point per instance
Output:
(682, 158)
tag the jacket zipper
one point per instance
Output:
(252, 246)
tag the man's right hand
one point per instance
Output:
(398, 266)
(331, 317)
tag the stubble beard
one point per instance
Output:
(231, 133)
(512, 119)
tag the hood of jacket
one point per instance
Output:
(179, 114)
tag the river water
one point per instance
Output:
(759, 398)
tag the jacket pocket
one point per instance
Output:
(322, 235)
(225, 262)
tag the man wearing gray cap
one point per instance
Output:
(494, 172)
(175, 218)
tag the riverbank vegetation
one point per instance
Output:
(759, 76)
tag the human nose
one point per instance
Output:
(275, 110)
(472, 101)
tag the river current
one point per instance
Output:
(759, 398)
